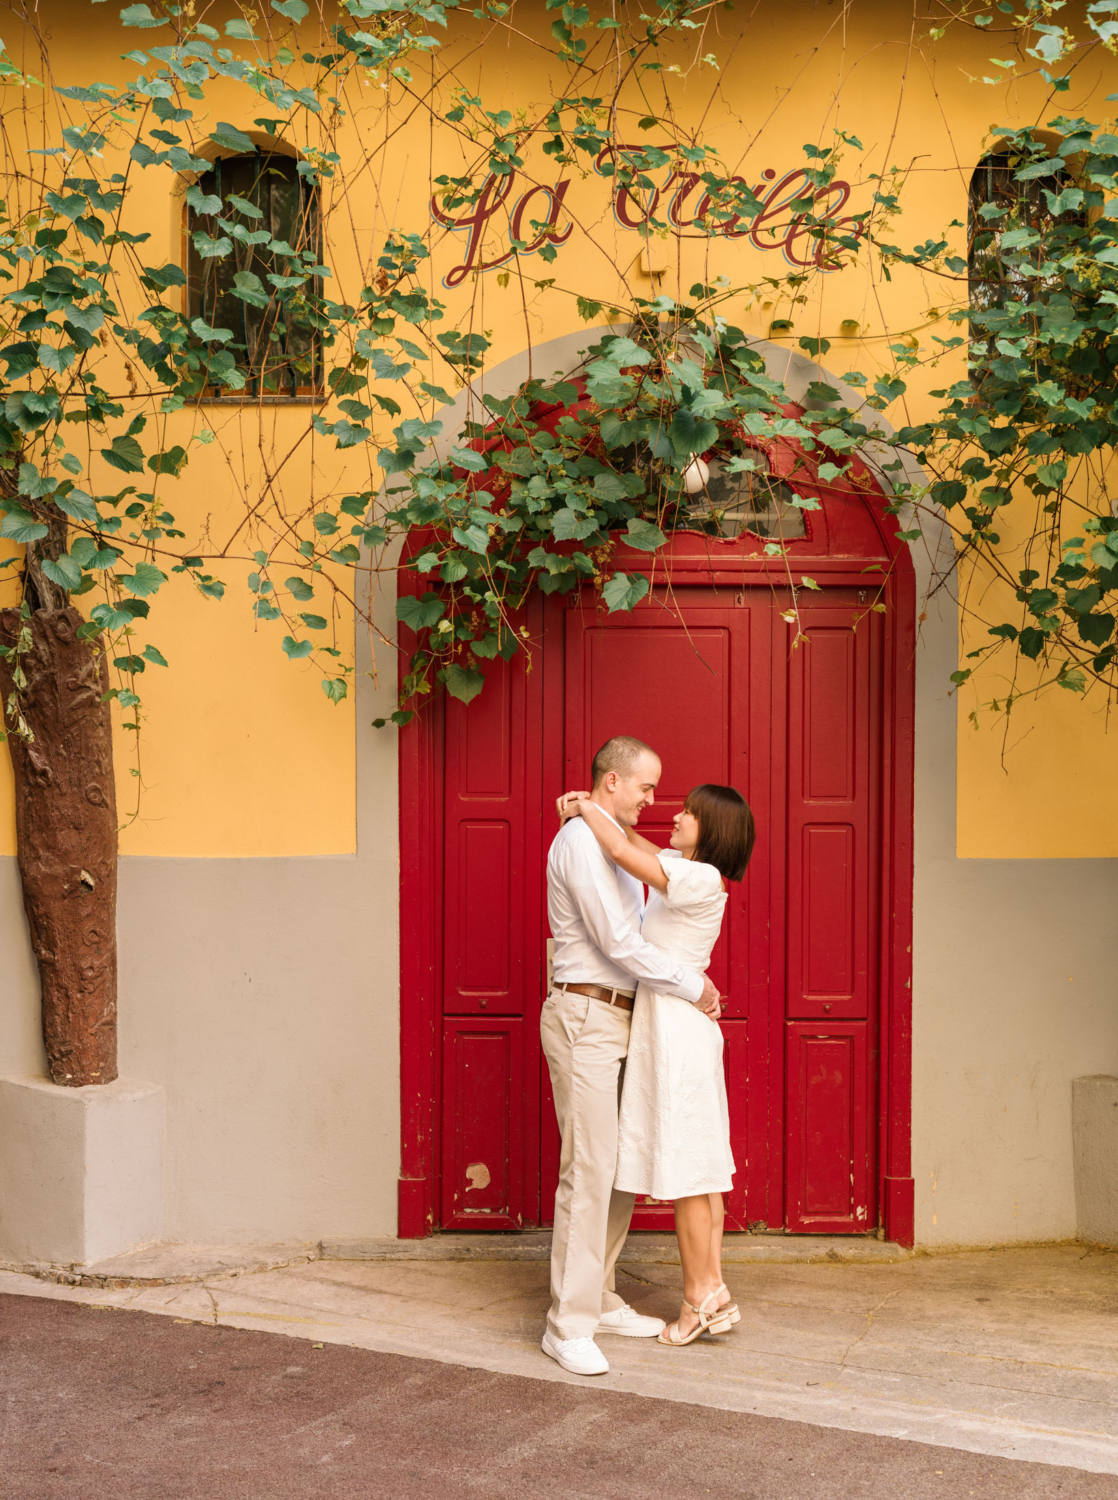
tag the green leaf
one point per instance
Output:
(78, 506)
(690, 435)
(624, 352)
(147, 579)
(66, 571)
(18, 526)
(21, 359)
(622, 592)
(462, 682)
(419, 614)
(140, 15)
(334, 687)
(89, 319)
(567, 525)
(249, 288)
(34, 485)
(644, 535)
(294, 10)
(126, 454)
(475, 538)
(108, 618)
(201, 203)
(313, 622)
(224, 134)
(299, 588)
(170, 275)
(467, 458)
(296, 649)
(155, 656)
(242, 205)
(240, 31)
(173, 461)
(57, 360)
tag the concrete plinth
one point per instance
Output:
(81, 1170)
(1094, 1113)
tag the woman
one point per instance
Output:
(674, 1130)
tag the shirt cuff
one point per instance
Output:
(691, 985)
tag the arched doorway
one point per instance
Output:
(801, 699)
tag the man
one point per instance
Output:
(595, 912)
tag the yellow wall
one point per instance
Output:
(242, 753)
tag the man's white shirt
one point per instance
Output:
(595, 911)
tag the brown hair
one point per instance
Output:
(726, 829)
(620, 755)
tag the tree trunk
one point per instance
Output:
(67, 837)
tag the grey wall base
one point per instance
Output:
(81, 1172)
(1095, 1138)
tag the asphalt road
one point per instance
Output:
(107, 1404)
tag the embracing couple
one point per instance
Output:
(629, 1001)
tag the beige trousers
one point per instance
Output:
(585, 1042)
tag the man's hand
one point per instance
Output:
(567, 805)
(710, 1001)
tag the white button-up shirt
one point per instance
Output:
(595, 911)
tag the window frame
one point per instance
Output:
(304, 392)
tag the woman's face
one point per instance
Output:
(685, 833)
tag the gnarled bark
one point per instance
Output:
(67, 832)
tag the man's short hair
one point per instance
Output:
(619, 755)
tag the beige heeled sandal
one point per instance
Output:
(728, 1309)
(711, 1320)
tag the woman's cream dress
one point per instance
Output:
(674, 1131)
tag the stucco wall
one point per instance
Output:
(263, 995)
(1014, 995)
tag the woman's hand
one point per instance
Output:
(567, 805)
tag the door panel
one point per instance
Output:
(490, 975)
(833, 686)
(482, 1173)
(829, 1181)
(676, 674)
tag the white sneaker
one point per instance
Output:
(579, 1356)
(630, 1323)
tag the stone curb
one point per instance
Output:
(182, 1265)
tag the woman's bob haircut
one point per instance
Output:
(726, 830)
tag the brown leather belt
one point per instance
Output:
(599, 992)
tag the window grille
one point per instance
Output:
(277, 236)
(753, 500)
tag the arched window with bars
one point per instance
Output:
(1024, 208)
(254, 244)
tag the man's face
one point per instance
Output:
(633, 793)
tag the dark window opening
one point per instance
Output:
(261, 291)
(999, 204)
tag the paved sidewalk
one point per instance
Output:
(111, 1404)
(1010, 1353)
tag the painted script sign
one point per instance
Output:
(530, 217)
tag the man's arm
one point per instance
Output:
(593, 888)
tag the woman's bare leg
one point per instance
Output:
(717, 1220)
(694, 1231)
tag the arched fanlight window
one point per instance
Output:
(264, 288)
(754, 500)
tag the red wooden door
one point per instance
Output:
(813, 955)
